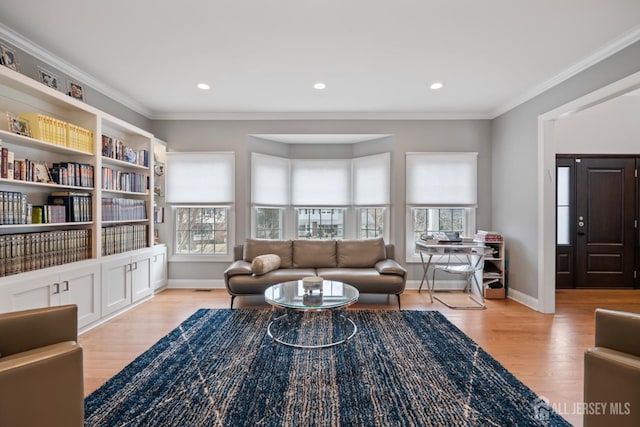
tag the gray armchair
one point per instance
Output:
(41, 379)
(612, 371)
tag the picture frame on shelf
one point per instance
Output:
(17, 126)
(76, 90)
(41, 172)
(49, 79)
(8, 57)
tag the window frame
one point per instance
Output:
(412, 255)
(385, 221)
(281, 218)
(203, 257)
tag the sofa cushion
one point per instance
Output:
(251, 285)
(282, 248)
(314, 253)
(365, 280)
(265, 263)
(360, 253)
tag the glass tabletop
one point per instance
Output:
(292, 295)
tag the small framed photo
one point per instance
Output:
(41, 172)
(49, 79)
(76, 91)
(8, 57)
(20, 127)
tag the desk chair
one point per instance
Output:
(475, 264)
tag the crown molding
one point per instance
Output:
(617, 45)
(319, 116)
(21, 42)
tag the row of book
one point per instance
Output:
(72, 173)
(487, 236)
(119, 150)
(58, 132)
(76, 205)
(123, 209)
(22, 169)
(124, 238)
(113, 179)
(24, 252)
(62, 206)
(63, 173)
(47, 214)
(13, 208)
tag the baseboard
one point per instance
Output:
(196, 284)
(523, 299)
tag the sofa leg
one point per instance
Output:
(232, 298)
(398, 295)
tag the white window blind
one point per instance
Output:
(442, 179)
(320, 182)
(200, 177)
(269, 180)
(371, 180)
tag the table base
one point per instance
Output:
(293, 330)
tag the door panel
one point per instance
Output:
(605, 214)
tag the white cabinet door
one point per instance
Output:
(141, 284)
(34, 291)
(116, 284)
(159, 267)
(81, 286)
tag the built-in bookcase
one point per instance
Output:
(54, 152)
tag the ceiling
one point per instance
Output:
(376, 57)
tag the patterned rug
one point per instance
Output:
(402, 368)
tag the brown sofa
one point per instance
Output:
(41, 379)
(368, 265)
(612, 371)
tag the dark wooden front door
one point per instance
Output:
(604, 223)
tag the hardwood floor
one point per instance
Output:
(544, 351)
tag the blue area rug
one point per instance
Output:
(413, 368)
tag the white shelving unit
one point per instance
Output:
(39, 287)
(494, 270)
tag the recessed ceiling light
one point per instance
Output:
(319, 85)
(436, 85)
(203, 86)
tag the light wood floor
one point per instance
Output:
(543, 351)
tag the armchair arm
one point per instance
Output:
(25, 330)
(618, 331)
(43, 386)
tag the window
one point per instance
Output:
(563, 206)
(200, 189)
(441, 195)
(320, 198)
(429, 220)
(320, 223)
(201, 230)
(268, 223)
(371, 223)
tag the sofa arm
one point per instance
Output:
(238, 268)
(25, 330)
(43, 386)
(615, 329)
(390, 266)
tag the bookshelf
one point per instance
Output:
(95, 245)
(494, 272)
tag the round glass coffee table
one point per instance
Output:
(294, 325)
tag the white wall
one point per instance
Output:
(612, 127)
(445, 135)
(516, 166)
